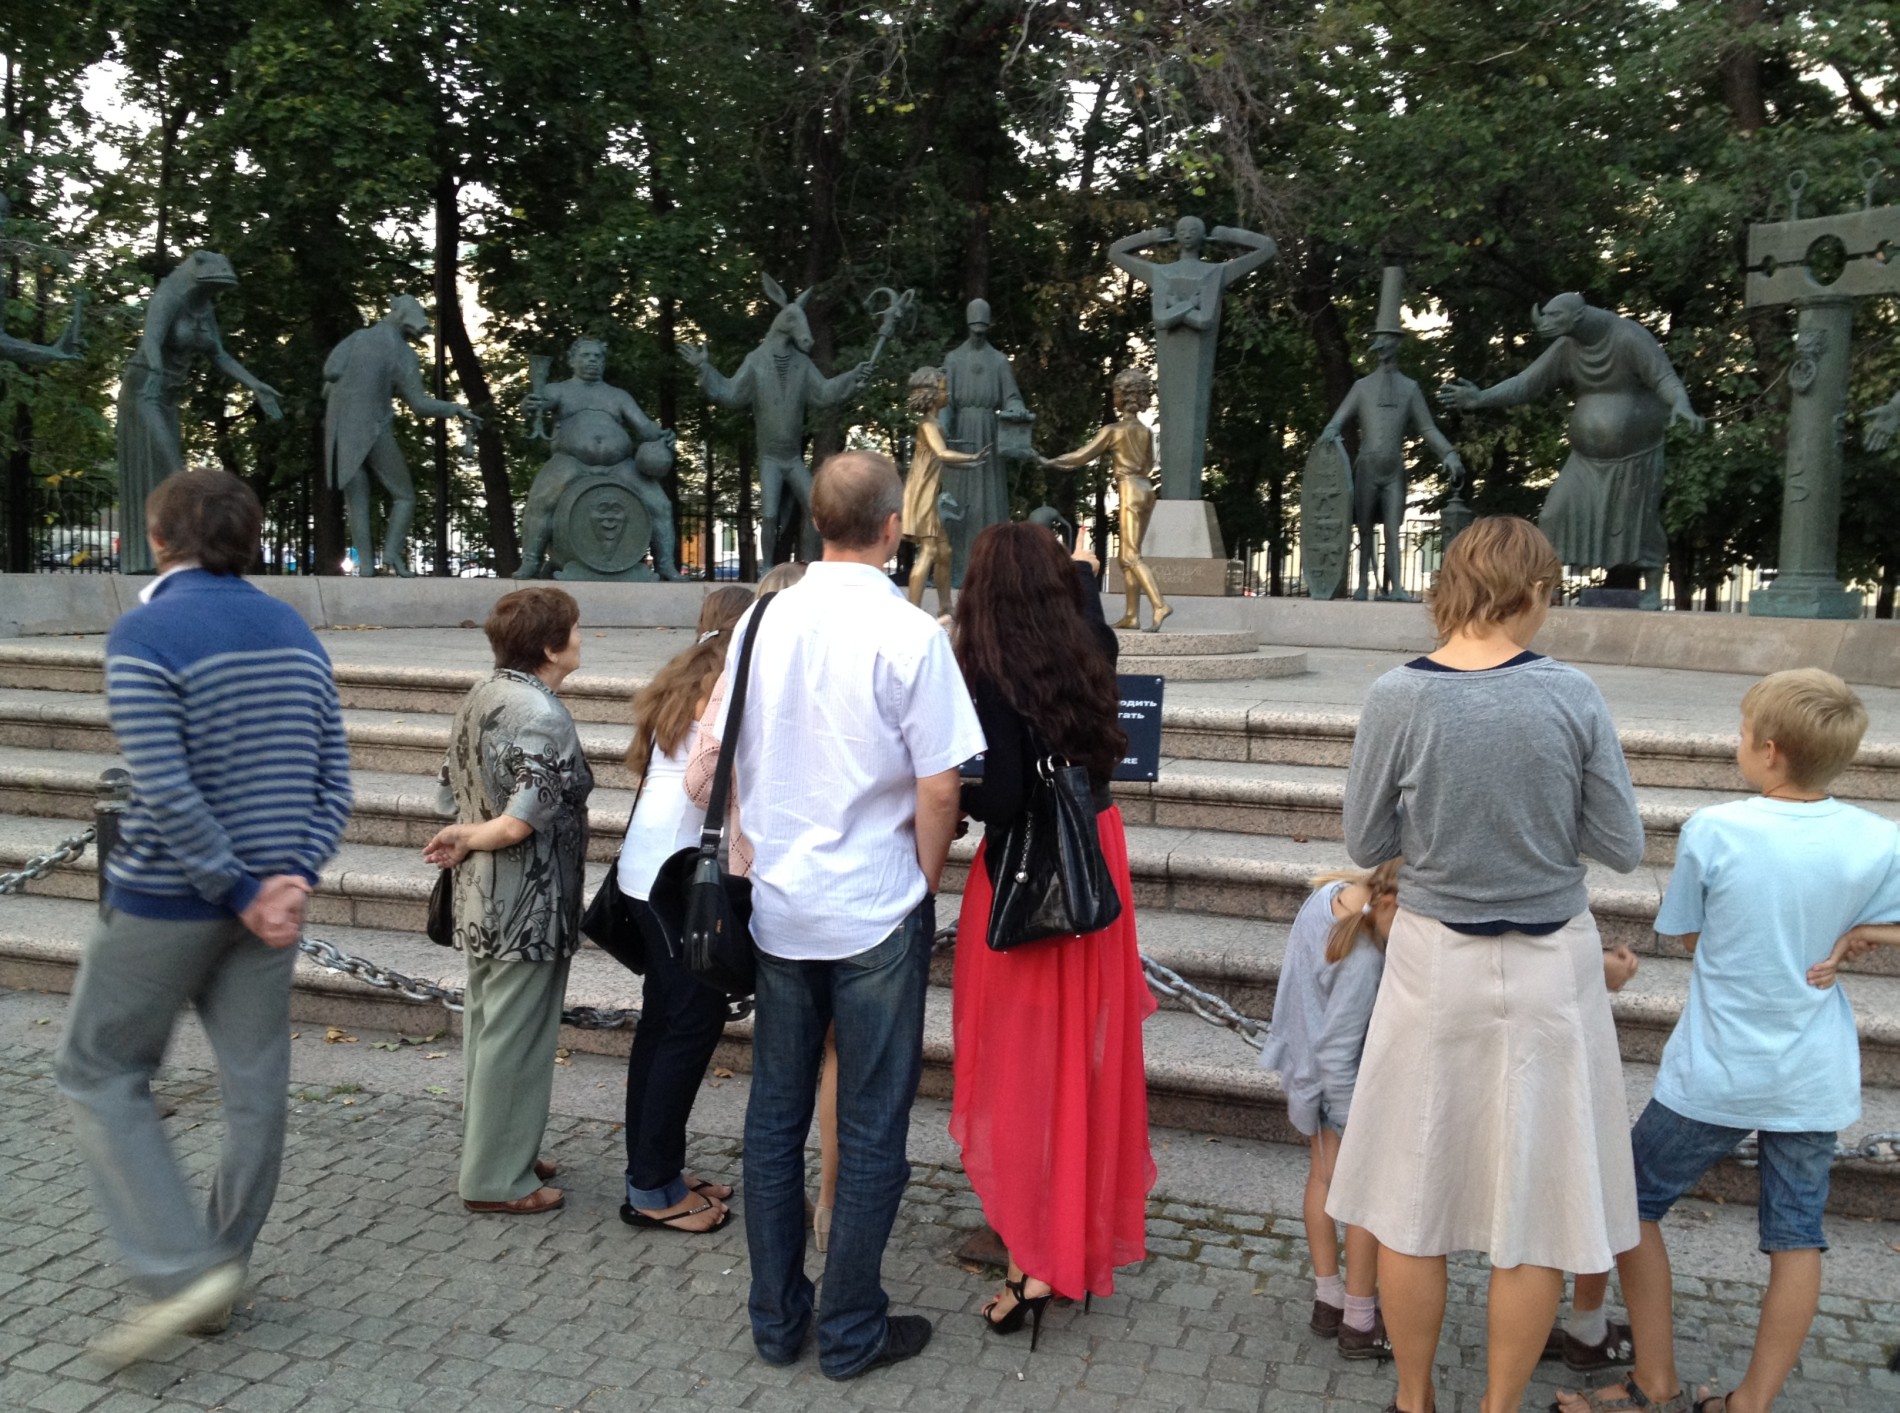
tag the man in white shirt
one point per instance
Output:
(856, 723)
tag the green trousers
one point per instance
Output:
(511, 1019)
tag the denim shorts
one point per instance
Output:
(1673, 1152)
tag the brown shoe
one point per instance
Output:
(542, 1199)
(1616, 1348)
(1326, 1319)
(1365, 1344)
(545, 1170)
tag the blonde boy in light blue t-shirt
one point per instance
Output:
(1770, 893)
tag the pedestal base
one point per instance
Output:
(1183, 578)
(1183, 529)
(1805, 596)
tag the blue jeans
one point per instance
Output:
(876, 1000)
(1673, 1151)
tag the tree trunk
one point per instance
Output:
(489, 451)
(1883, 601)
(1313, 297)
(1741, 69)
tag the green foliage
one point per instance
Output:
(629, 170)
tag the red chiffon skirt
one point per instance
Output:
(1051, 1106)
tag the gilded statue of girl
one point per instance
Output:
(929, 392)
(1130, 447)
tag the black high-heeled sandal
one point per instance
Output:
(1027, 1307)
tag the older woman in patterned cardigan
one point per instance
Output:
(518, 783)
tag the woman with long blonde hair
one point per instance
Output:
(681, 1020)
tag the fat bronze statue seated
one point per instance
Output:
(608, 461)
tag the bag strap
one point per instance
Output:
(715, 827)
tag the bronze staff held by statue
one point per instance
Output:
(1130, 447)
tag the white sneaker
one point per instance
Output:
(151, 1325)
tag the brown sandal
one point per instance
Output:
(1632, 1398)
(542, 1199)
(545, 1170)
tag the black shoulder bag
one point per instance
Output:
(608, 923)
(1051, 878)
(704, 911)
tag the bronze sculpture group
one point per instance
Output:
(598, 507)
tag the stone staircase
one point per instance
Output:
(1221, 848)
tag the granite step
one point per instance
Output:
(1199, 1077)
(1236, 958)
(1252, 877)
(42, 685)
(1259, 664)
(1135, 643)
(1241, 796)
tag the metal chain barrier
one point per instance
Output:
(1882, 1149)
(38, 867)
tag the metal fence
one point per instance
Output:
(72, 527)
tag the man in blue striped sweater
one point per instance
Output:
(225, 708)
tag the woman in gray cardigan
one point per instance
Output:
(1489, 1113)
(518, 783)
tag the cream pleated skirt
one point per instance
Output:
(1489, 1113)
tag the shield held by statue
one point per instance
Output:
(1326, 520)
(601, 531)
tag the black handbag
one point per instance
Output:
(704, 912)
(1051, 878)
(441, 924)
(608, 922)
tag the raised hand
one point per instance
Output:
(694, 354)
(1882, 425)
(1460, 393)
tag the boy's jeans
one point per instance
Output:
(876, 1000)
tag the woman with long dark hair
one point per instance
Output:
(1051, 1106)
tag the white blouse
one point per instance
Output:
(664, 822)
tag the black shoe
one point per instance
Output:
(1027, 1307)
(904, 1338)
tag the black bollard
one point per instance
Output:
(115, 793)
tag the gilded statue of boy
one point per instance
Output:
(1130, 447)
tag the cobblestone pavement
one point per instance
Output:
(375, 1290)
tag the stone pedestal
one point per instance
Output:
(1183, 529)
(1806, 585)
(1183, 578)
(1184, 548)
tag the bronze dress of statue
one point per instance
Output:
(923, 487)
(779, 382)
(599, 433)
(1129, 445)
(1187, 295)
(1605, 512)
(981, 383)
(360, 376)
(1389, 407)
(181, 325)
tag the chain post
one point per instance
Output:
(115, 793)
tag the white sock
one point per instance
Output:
(1588, 1326)
(1360, 1310)
(1330, 1289)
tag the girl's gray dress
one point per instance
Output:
(1320, 1013)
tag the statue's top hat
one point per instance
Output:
(1391, 293)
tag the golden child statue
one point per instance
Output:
(923, 522)
(1131, 449)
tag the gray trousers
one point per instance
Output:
(511, 1022)
(136, 976)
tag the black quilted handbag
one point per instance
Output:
(1051, 878)
(705, 912)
